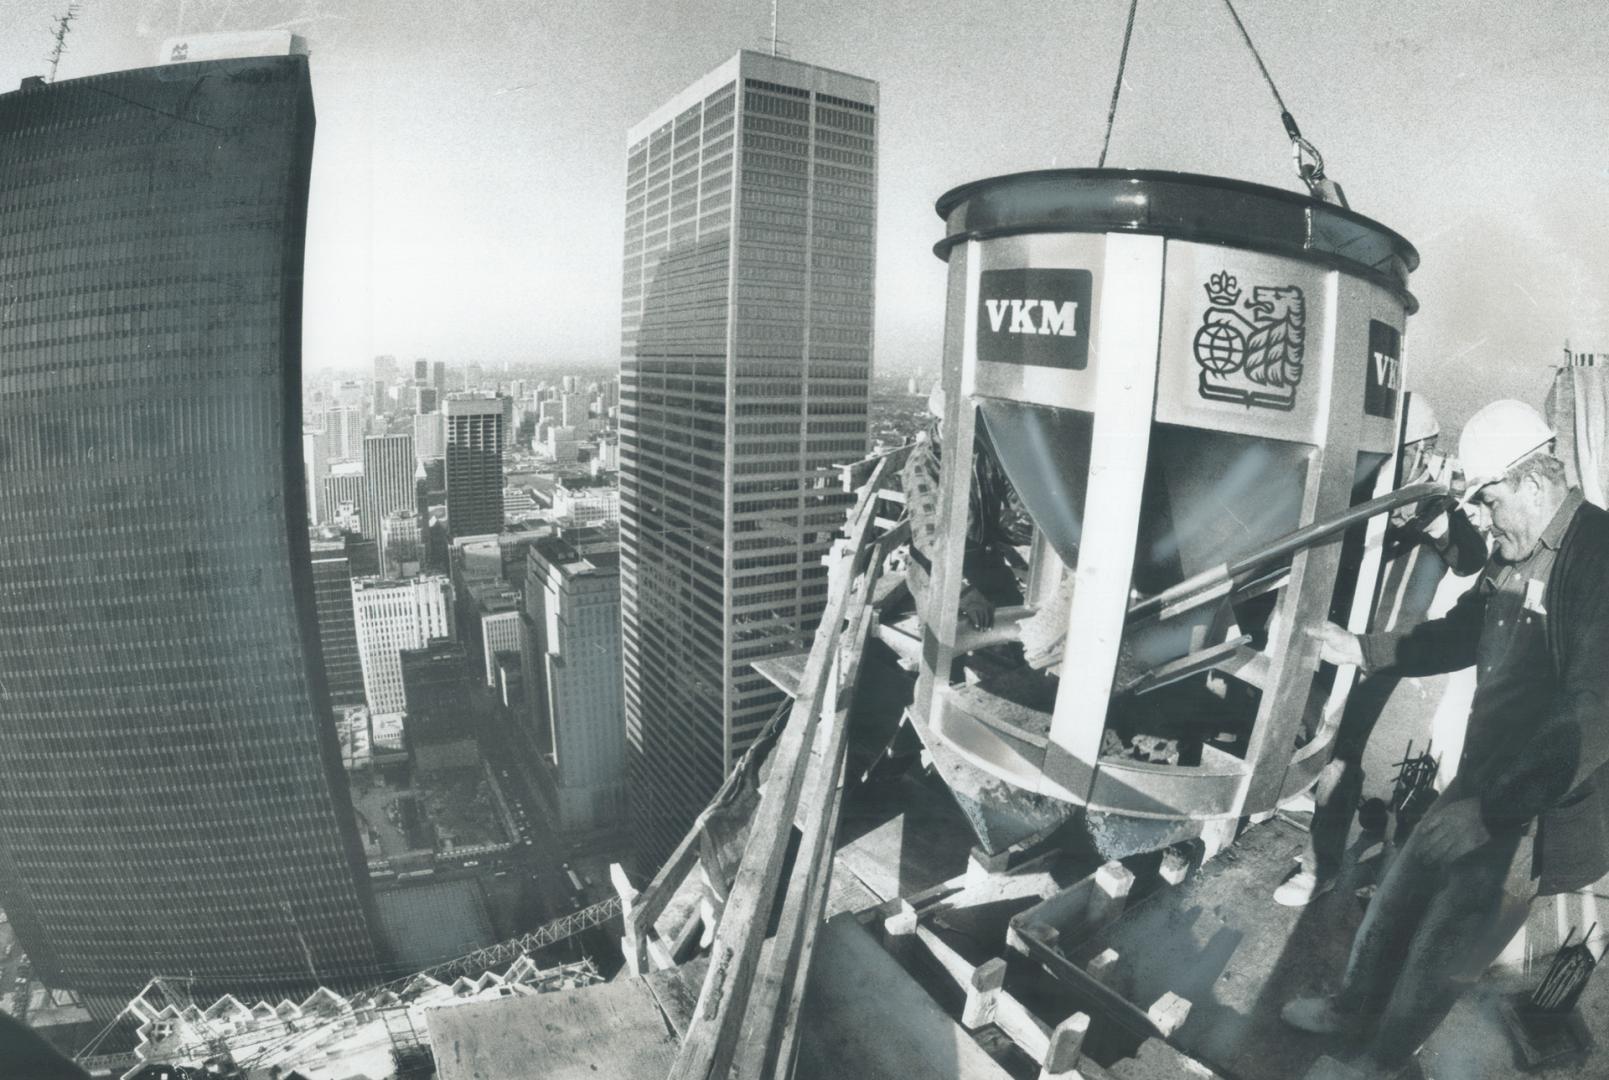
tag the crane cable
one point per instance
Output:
(1304, 155)
(1309, 163)
(1117, 87)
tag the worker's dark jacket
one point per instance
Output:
(1537, 745)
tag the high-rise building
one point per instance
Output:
(343, 427)
(438, 378)
(429, 436)
(571, 671)
(388, 468)
(477, 433)
(746, 357)
(498, 627)
(392, 616)
(436, 686)
(337, 625)
(573, 409)
(421, 371)
(385, 370)
(316, 464)
(171, 790)
(401, 550)
(342, 496)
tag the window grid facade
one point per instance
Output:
(746, 356)
(393, 616)
(171, 794)
(477, 434)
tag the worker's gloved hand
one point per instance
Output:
(1337, 645)
(976, 609)
(1451, 830)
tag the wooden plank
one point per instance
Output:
(1031, 1034)
(771, 1043)
(707, 1051)
(672, 874)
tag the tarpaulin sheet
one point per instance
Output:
(1578, 409)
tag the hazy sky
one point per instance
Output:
(468, 178)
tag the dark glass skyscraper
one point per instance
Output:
(171, 794)
(744, 375)
(337, 624)
(477, 435)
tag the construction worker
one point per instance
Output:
(1528, 812)
(996, 522)
(1421, 544)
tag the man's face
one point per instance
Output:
(1512, 516)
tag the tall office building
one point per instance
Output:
(343, 427)
(392, 616)
(477, 433)
(570, 657)
(388, 468)
(429, 436)
(337, 626)
(745, 369)
(316, 464)
(401, 551)
(385, 370)
(171, 792)
(342, 496)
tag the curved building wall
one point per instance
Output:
(171, 796)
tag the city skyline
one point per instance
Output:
(468, 168)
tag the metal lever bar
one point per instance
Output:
(1180, 597)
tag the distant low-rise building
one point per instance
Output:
(583, 503)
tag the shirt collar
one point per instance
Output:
(1553, 535)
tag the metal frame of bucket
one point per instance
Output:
(1141, 265)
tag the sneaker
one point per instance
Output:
(1317, 1016)
(1300, 888)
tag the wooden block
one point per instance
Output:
(982, 861)
(902, 921)
(1066, 1048)
(1175, 866)
(1103, 967)
(987, 979)
(1169, 1012)
(1020, 932)
(1110, 895)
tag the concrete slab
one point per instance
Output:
(1220, 942)
(866, 1019)
(612, 1029)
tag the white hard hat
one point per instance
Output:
(1497, 437)
(1421, 422)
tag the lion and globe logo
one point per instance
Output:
(1250, 350)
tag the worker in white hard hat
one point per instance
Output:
(1422, 544)
(1528, 812)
